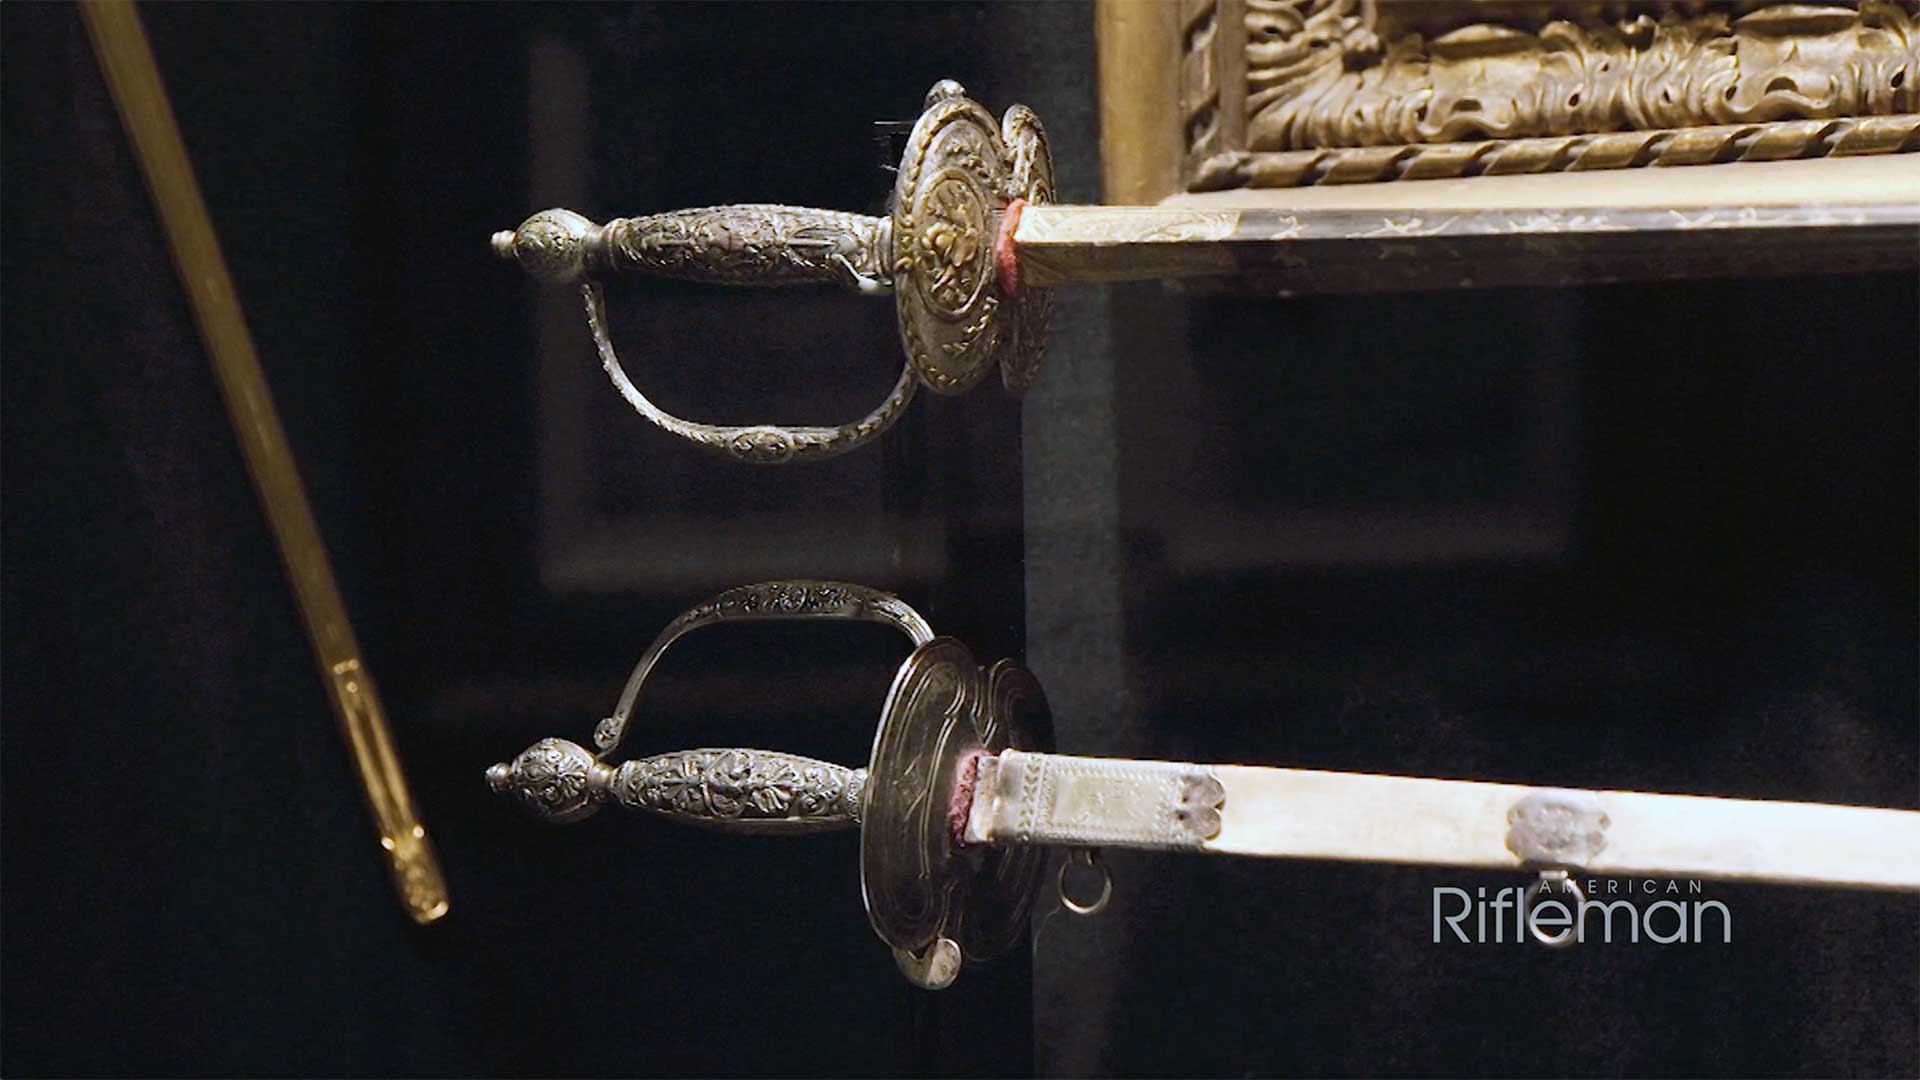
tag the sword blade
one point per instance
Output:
(1326, 246)
(1030, 798)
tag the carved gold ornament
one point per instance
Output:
(1285, 92)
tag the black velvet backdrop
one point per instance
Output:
(187, 878)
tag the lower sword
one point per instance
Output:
(960, 797)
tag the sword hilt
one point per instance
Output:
(944, 254)
(734, 790)
(752, 245)
(934, 901)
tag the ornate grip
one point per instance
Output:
(755, 244)
(756, 791)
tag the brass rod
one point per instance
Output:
(125, 57)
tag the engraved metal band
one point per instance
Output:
(754, 444)
(1557, 828)
(1024, 798)
(768, 600)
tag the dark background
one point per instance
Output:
(1656, 536)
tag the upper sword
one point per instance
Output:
(943, 255)
(973, 246)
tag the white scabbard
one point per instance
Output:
(1032, 798)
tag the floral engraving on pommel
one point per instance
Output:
(553, 245)
(556, 780)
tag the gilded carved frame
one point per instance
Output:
(1224, 95)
